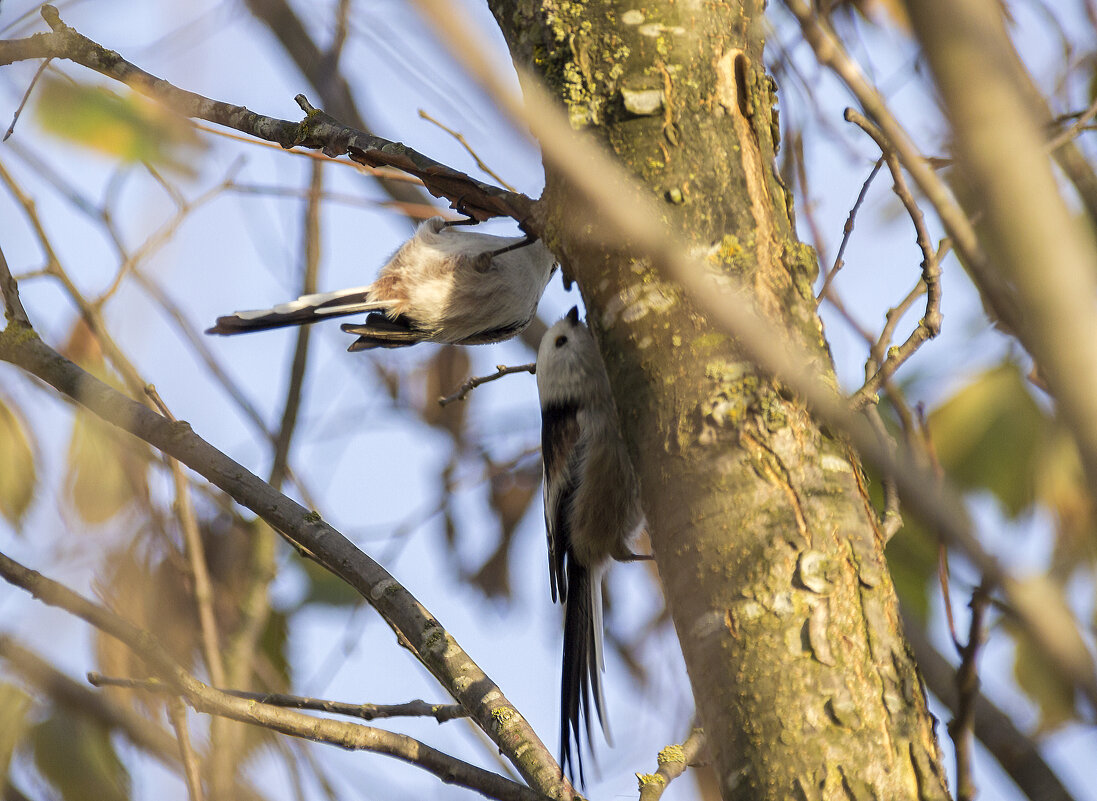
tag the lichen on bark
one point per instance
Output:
(766, 545)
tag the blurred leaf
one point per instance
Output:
(83, 347)
(1061, 487)
(1035, 671)
(1038, 677)
(273, 647)
(989, 435)
(327, 588)
(444, 373)
(512, 491)
(14, 704)
(874, 11)
(154, 596)
(97, 480)
(272, 674)
(128, 127)
(228, 542)
(912, 561)
(993, 435)
(912, 553)
(17, 473)
(77, 758)
(493, 577)
(105, 469)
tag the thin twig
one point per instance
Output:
(26, 97)
(944, 573)
(169, 188)
(673, 761)
(930, 324)
(309, 281)
(162, 235)
(91, 315)
(462, 392)
(839, 305)
(13, 307)
(177, 714)
(204, 698)
(318, 64)
(318, 131)
(961, 726)
(793, 152)
(255, 606)
(345, 198)
(944, 578)
(831, 53)
(1073, 131)
(426, 637)
(220, 774)
(170, 307)
(460, 137)
(196, 557)
(847, 229)
(411, 709)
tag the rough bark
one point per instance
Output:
(767, 546)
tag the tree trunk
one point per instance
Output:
(767, 545)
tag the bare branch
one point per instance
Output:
(847, 229)
(424, 634)
(460, 137)
(320, 69)
(960, 728)
(309, 281)
(417, 709)
(177, 714)
(220, 769)
(26, 97)
(1072, 131)
(462, 392)
(13, 307)
(317, 131)
(930, 324)
(832, 54)
(296, 724)
(1041, 248)
(196, 557)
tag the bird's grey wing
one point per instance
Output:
(560, 453)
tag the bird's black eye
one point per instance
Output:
(561, 341)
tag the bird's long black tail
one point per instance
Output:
(581, 674)
(306, 309)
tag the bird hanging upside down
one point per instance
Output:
(445, 284)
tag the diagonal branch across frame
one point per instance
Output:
(317, 131)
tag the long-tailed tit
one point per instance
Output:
(592, 510)
(443, 285)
